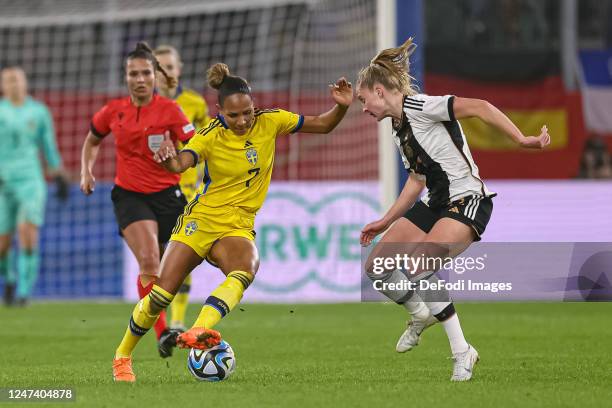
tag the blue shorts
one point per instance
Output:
(22, 202)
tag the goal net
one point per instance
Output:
(290, 50)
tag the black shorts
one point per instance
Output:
(164, 206)
(474, 211)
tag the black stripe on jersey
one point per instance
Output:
(260, 111)
(412, 104)
(215, 123)
(454, 131)
(413, 108)
(415, 101)
(450, 106)
(179, 222)
(436, 178)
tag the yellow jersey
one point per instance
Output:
(195, 108)
(238, 168)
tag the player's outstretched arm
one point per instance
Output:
(172, 161)
(468, 108)
(342, 93)
(89, 153)
(410, 193)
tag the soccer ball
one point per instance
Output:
(213, 364)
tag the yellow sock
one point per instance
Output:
(179, 304)
(144, 316)
(223, 299)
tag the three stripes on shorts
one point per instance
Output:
(471, 209)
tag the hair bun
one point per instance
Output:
(216, 74)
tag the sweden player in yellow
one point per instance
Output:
(195, 108)
(237, 149)
(241, 168)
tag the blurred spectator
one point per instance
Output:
(522, 22)
(596, 162)
(445, 22)
(595, 23)
(478, 29)
(509, 24)
(608, 24)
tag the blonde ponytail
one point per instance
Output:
(390, 68)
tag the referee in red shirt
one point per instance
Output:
(146, 198)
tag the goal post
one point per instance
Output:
(398, 20)
(386, 37)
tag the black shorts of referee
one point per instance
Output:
(164, 206)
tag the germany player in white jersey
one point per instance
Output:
(457, 207)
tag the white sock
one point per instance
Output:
(455, 334)
(417, 308)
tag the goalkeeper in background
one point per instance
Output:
(26, 129)
(195, 108)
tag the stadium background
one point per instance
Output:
(539, 61)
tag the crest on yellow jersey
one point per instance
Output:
(251, 156)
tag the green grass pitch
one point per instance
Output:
(537, 355)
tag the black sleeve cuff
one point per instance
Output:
(95, 132)
(451, 110)
(195, 155)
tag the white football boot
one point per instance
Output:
(464, 364)
(410, 338)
